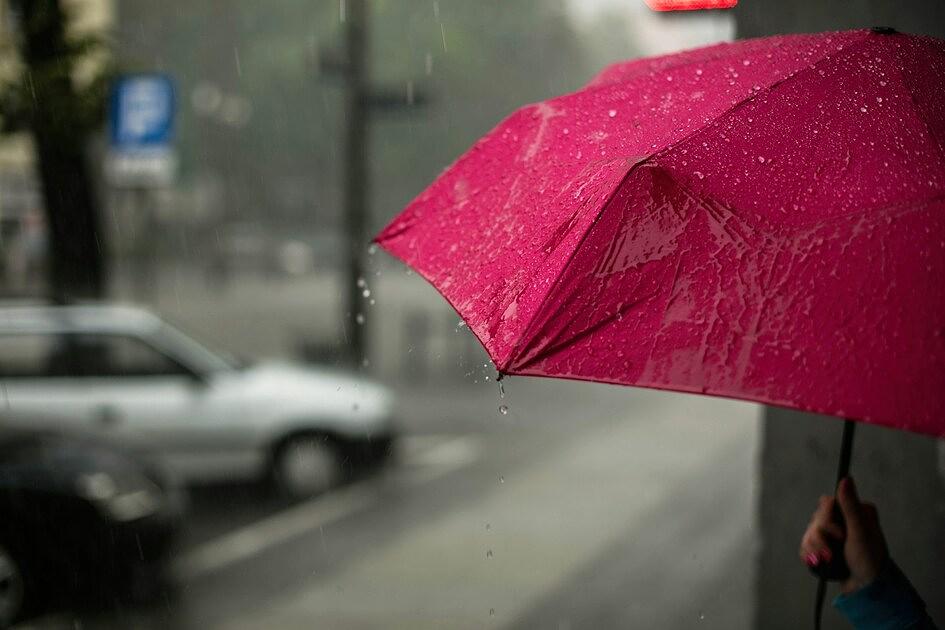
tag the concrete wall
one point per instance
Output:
(902, 473)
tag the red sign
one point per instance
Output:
(689, 5)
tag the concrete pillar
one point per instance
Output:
(901, 473)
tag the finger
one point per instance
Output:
(833, 530)
(850, 503)
(814, 549)
(869, 512)
(813, 542)
(824, 512)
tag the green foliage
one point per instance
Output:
(46, 87)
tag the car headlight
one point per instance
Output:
(125, 498)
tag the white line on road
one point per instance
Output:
(422, 465)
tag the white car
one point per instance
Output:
(123, 372)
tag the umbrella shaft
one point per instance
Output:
(846, 450)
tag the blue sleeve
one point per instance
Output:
(888, 603)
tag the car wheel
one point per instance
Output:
(12, 589)
(306, 465)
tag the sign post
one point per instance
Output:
(140, 159)
(141, 123)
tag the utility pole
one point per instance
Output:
(356, 185)
(349, 65)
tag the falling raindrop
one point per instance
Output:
(366, 293)
(504, 410)
(492, 612)
(501, 389)
(372, 249)
(361, 283)
(488, 527)
(359, 318)
(501, 479)
(489, 553)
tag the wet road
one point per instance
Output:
(586, 506)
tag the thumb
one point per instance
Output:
(849, 502)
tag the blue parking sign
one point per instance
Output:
(142, 111)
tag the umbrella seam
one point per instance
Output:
(696, 132)
(514, 352)
(919, 113)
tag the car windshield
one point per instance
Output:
(195, 354)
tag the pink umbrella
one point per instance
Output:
(763, 220)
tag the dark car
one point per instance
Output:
(77, 519)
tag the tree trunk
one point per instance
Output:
(76, 251)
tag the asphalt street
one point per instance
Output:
(585, 506)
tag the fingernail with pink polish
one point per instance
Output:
(812, 560)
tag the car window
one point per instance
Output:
(33, 355)
(114, 355)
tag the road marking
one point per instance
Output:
(426, 458)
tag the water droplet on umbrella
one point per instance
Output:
(612, 113)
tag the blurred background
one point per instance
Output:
(302, 432)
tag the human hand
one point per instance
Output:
(864, 547)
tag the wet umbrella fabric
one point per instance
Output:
(763, 220)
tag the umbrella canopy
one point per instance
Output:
(763, 220)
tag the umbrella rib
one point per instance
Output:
(919, 113)
(767, 90)
(527, 329)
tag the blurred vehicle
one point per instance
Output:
(76, 517)
(124, 372)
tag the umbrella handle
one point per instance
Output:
(837, 568)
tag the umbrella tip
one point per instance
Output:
(884, 30)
